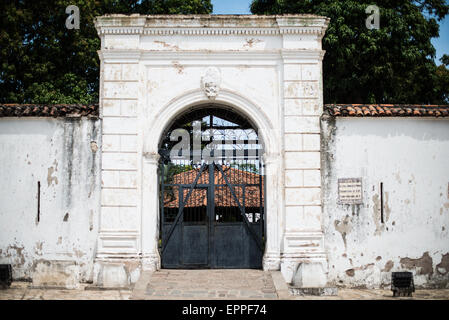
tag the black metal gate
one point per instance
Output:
(212, 210)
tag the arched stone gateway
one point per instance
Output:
(211, 191)
(265, 71)
(270, 155)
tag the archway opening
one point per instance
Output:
(211, 190)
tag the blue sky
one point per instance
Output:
(242, 7)
(231, 6)
(441, 44)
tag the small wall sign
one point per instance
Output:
(350, 191)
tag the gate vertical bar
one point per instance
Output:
(162, 196)
(261, 200)
(211, 213)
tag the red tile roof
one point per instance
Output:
(51, 110)
(337, 110)
(223, 196)
(386, 110)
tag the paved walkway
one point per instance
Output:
(208, 284)
(22, 291)
(380, 294)
(204, 284)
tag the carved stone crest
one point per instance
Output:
(210, 82)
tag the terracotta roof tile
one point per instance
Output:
(386, 110)
(55, 110)
(223, 196)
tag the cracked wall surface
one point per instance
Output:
(51, 196)
(405, 229)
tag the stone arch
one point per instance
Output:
(272, 160)
(227, 98)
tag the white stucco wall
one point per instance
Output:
(63, 155)
(410, 156)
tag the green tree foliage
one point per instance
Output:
(249, 167)
(394, 64)
(41, 61)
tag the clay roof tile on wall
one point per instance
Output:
(386, 110)
(55, 110)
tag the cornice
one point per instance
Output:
(120, 55)
(266, 57)
(210, 31)
(291, 55)
(207, 25)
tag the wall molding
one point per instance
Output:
(207, 25)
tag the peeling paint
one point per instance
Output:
(167, 45)
(250, 42)
(93, 146)
(388, 266)
(376, 215)
(91, 220)
(443, 266)
(69, 156)
(343, 227)
(18, 254)
(355, 209)
(178, 67)
(38, 248)
(51, 170)
(151, 85)
(425, 264)
(367, 266)
(68, 160)
(414, 199)
(387, 207)
(350, 272)
(55, 274)
(93, 165)
(78, 253)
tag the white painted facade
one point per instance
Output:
(409, 156)
(270, 71)
(62, 155)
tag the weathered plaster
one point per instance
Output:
(268, 68)
(409, 156)
(56, 152)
